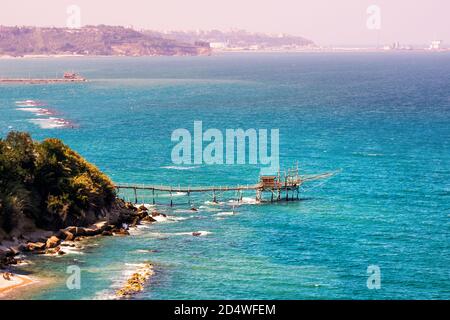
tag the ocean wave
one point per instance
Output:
(168, 195)
(212, 203)
(168, 234)
(180, 167)
(37, 111)
(367, 154)
(245, 200)
(168, 219)
(225, 213)
(144, 251)
(51, 123)
(184, 210)
(209, 209)
(29, 103)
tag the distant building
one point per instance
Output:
(436, 45)
(218, 45)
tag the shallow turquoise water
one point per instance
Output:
(381, 118)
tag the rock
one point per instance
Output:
(135, 221)
(130, 206)
(121, 232)
(60, 252)
(52, 242)
(156, 214)
(69, 244)
(142, 208)
(107, 233)
(194, 209)
(91, 232)
(67, 236)
(72, 230)
(35, 246)
(109, 227)
(136, 282)
(196, 234)
(54, 250)
(148, 219)
(11, 252)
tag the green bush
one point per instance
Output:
(48, 183)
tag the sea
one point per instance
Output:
(377, 229)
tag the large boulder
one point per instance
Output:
(91, 232)
(35, 246)
(67, 236)
(52, 242)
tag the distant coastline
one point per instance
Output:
(231, 51)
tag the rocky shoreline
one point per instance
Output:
(116, 223)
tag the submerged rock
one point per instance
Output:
(157, 214)
(136, 282)
(142, 208)
(148, 219)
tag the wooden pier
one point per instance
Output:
(67, 78)
(281, 187)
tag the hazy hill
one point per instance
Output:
(91, 40)
(239, 39)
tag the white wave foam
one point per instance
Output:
(212, 203)
(29, 103)
(225, 213)
(50, 123)
(245, 200)
(179, 167)
(184, 211)
(209, 209)
(367, 154)
(168, 234)
(146, 205)
(168, 219)
(37, 111)
(174, 194)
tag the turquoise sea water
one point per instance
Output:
(384, 119)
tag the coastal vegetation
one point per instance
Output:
(47, 185)
(51, 198)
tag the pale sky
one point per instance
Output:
(327, 22)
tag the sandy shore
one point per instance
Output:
(16, 281)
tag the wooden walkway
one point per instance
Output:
(189, 189)
(271, 184)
